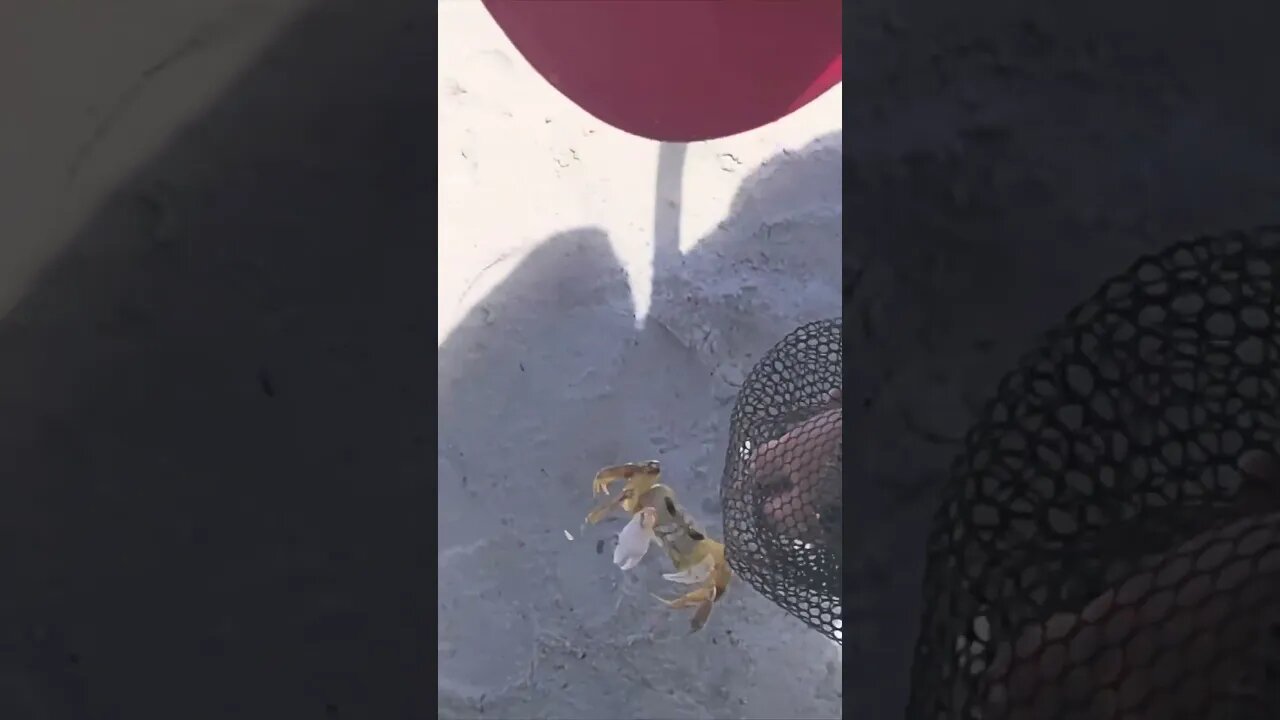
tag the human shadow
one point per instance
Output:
(546, 380)
(215, 407)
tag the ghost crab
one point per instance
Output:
(657, 518)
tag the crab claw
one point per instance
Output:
(600, 511)
(640, 479)
(646, 473)
(635, 538)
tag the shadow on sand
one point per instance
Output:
(546, 380)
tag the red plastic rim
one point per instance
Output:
(680, 71)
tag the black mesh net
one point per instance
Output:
(1109, 544)
(781, 488)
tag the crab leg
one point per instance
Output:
(703, 598)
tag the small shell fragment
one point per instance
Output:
(568, 536)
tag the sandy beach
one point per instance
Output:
(601, 295)
(1001, 162)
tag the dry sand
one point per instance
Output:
(1002, 160)
(600, 297)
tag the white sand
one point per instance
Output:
(600, 295)
(1003, 163)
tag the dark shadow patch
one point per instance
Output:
(298, 236)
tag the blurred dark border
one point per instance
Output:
(216, 406)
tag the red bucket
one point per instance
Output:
(680, 71)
